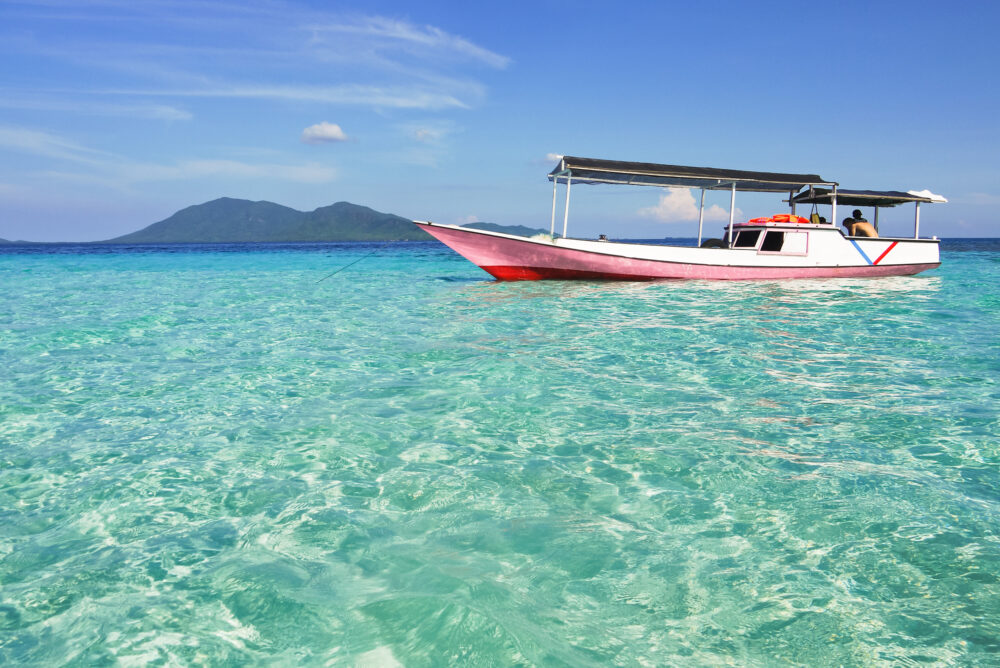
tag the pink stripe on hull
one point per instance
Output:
(518, 273)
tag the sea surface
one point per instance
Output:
(225, 455)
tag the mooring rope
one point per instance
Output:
(349, 264)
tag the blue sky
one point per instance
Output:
(114, 114)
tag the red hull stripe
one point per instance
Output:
(541, 273)
(886, 252)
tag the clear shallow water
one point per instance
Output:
(207, 456)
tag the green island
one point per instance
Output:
(228, 220)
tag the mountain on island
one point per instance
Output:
(517, 230)
(228, 220)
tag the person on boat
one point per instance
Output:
(858, 226)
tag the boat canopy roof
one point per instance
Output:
(591, 170)
(882, 198)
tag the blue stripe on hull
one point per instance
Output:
(867, 259)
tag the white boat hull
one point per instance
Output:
(821, 252)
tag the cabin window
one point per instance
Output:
(746, 239)
(786, 243)
(772, 242)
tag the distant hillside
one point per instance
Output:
(228, 220)
(518, 230)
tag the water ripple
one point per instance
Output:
(208, 457)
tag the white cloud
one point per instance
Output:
(553, 157)
(36, 142)
(116, 170)
(387, 33)
(196, 169)
(253, 50)
(425, 143)
(323, 133)
(678, 204)
(428, 134)
(465, 220)
(160, 112)
(154, 111)
(399, 97)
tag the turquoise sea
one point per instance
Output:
(209, 456)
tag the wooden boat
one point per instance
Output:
(776, 247)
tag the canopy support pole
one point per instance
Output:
(833, 202)
(916, 223)
(569, 182)
(552, 227)
(791, 201)
(701, 216)
(876, 218)
(732, 213)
